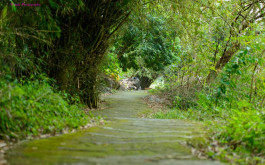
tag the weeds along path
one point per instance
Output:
(126, 139)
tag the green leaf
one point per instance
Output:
(13, 6)
(53, 4)
(4, 13)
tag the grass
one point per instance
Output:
(33, 108)
(236, 135)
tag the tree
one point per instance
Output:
(146, 46)
(85, 35)
(247, 13)
(68, 40)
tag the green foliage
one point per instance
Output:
(219, 76)
(238, 132)
(32, 108)
(211, 53)
(151, 49)
(111, 66)
(244, 131)
(65, 40)
(146, 45)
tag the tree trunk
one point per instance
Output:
(89, 95)
(79, 51)
(227, 55)
(246, 18)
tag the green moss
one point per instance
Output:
(124, 138)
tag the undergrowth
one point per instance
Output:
(237, 130)
(32, 108)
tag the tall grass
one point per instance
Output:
(32, 108)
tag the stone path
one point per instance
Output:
(125, 140)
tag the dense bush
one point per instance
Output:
(244, 131)
(32, 108)
(238, 131)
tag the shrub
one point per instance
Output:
(244, 131)
(33, 108)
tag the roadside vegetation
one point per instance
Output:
(219, 78)
(56, 60)
(33, 108)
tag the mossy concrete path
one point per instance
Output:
(126, 139)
